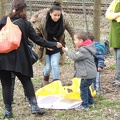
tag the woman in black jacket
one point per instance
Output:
(18, 61)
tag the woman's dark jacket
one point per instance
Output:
(19, 60)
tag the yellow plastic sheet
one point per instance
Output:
(69, 92)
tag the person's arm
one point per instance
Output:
(100, 61)
(75, 55)
(36, 24)
(71, 30)
(36, 20)
(40, 41)
(110, 14)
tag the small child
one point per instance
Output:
(84, 66)
(99, 61)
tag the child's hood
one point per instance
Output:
(89, 45)
(100, 46)
(91, 48)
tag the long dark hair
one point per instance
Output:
(58, 29)
(17, 9)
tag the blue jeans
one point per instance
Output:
(96, 82)
(86, 96)
(117, 57)
(52, 63)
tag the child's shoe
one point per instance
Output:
(91, 105)
(80, 108)
(97, 93)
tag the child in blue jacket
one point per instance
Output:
(99, 61)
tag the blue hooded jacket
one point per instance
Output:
(99, 56)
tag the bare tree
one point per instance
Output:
(96, 19)
(2, 8)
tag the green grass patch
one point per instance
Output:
(113, 66)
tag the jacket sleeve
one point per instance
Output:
(36, 18)
(100, 60)
(39, 40)
(68, 27)
(110, 14)
(77, 55)
(36, 24)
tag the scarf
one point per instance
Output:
(54, 29)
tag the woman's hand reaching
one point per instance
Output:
(59, 45)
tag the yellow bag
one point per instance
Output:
(50, 89)
(73, 91)
(68, 92)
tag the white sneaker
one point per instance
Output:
(80, 108)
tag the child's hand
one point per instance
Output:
(64, 49)
(100, 69)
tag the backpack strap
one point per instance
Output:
(16, 20)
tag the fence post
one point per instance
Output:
(2, 8)
(85, 17)
(96, 19)
(30, 8)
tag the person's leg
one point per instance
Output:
(13, 85)
(94, 84)
(85, 94)
(117, 74)
(6, 82)
(30, 93)
(55, 58)
(26, 98)
(98, 83)
(84, 88)
(90, 98)
(47, 69)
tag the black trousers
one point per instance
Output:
(6, 82)
(13, 85)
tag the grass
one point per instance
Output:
(113, 66)
(103, 110)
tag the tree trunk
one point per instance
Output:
(96, 19)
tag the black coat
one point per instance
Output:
(19, 60)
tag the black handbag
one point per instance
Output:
(33, 55)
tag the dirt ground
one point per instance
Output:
(107, 76)
(21, 108)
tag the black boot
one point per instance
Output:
(45, 80)
(8, 111)
(55, 80)
(34, 107)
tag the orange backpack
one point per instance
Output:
(10, 37)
